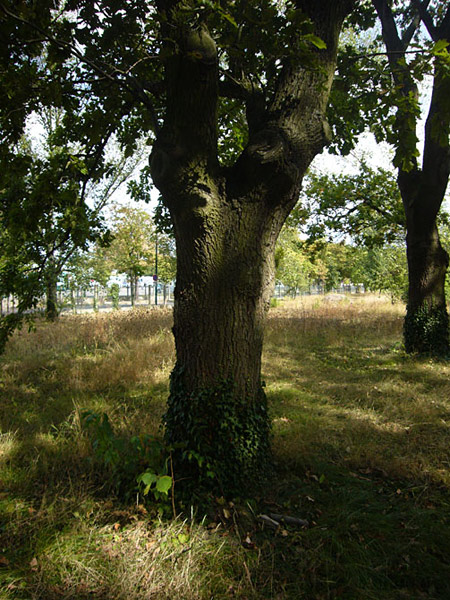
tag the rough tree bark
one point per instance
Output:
(226, 223)
(426, 327)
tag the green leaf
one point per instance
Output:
(316, 41)
(228, 17)
(440, 47)
(164, 484)
(147, 478)
(183, 538)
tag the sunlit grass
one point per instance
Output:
(353, 388)
(361, 444)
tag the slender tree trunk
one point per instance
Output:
(51, 293)
(133, 289)
(426, 329)
(422, 189)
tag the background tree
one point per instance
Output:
(386, 84)
(132, 250)
(43, 221)
(293, 267)
(365, 207)
(167, 261)
(383, 269)
(63, 208)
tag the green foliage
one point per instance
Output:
(114, 291)
(132, 250)
(140, 464)
(293, 266)
(366, 206)
(384, 269)
(426, 330)
(225, 438)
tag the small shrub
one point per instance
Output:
(140, 464)
(114, 291)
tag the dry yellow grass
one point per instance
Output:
(341, 386)
(361, 440)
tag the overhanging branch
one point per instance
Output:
(130, 84)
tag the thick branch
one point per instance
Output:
(391, 38)
(444, 28)
(188, 139)
(293, 128)
(233, 88)
(412, 28)
(436, 154)
(426, 18)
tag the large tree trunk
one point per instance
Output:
(217, 405)
(426, 329)
(226, 222)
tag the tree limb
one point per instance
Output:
(411, 30)
(444, 27)
(426, 19)
(132, 86)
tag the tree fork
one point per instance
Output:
(226, 223)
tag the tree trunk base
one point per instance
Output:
(426, 330)
(221, 441)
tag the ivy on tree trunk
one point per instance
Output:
(422, 188)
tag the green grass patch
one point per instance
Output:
(361, 438)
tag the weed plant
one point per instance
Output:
(361, 441)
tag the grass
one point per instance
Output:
(361, 442)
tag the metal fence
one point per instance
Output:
(98, 298)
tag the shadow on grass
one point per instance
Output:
(361, 442)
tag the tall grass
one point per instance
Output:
(361, 443)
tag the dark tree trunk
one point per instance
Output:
(133, 289)
(422, 189)
(217, 405)
(51, 293)
(226, 222)
(426, 328)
